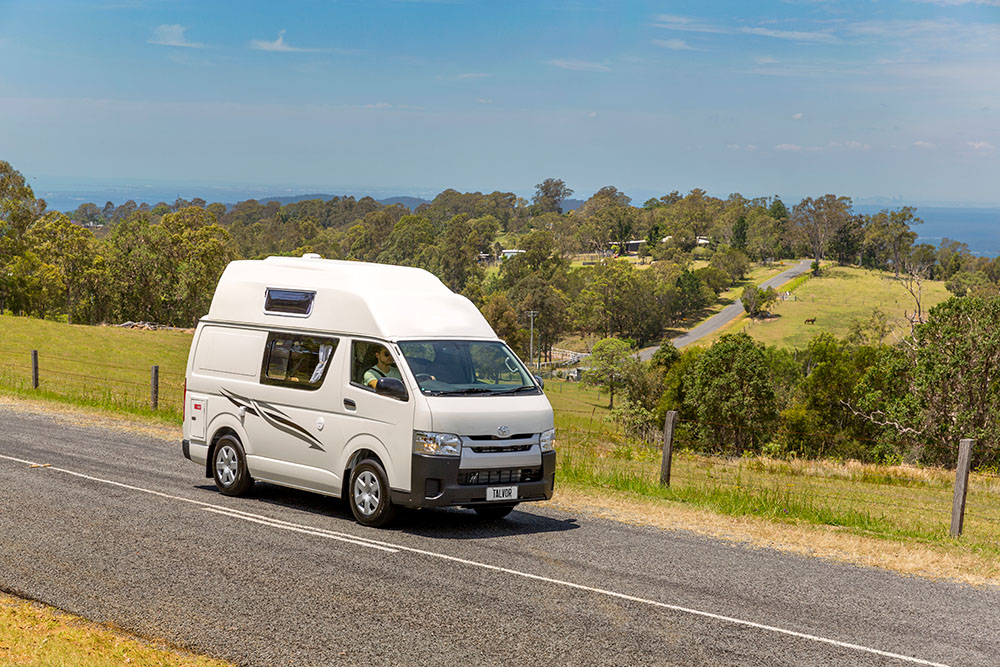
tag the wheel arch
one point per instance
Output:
(221, 426)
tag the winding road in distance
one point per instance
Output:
(727, 314)
(122, 529)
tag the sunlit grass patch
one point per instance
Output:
(33, 634)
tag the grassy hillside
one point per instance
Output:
(837, 298)
(101, 366)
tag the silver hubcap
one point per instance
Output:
(367, 493)
(226, 465)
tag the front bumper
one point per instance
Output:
(434, 483)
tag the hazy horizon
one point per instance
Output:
(893, 99)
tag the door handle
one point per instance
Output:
(350, 404)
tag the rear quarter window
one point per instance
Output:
(228, 351)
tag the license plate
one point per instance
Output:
(501, 493)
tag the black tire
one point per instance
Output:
(368, 494)
(229, 467)
(493, 512)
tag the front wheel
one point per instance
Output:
(369, 495)
(229, 467)
(494, 511)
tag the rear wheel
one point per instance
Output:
(229, 467)
(494, 511)
(369, 495)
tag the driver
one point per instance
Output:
(385, 367)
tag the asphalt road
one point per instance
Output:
(122, 529)
(729, 313)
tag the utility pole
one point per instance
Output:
(531, 344)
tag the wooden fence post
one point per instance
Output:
(34, 369)
(961, 485)
(668, 447)
(154, 388)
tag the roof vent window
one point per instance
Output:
(288, 302)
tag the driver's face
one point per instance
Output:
(385, 357)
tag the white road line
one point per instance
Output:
(219, 509)
(387, 546)
(318, 532)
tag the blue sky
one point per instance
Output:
(802, 97)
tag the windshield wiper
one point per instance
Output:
(467, 390)
(526, 387)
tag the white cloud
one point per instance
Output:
(980, 145)
(683, 23)
(386, 105)
(578, 65)
(923, 144)
(788, 147)
(280, 46)
(792, 35)
(798, 116)
(172, 35)
(765, 60)
(470, 75)
(857, 146)
(733, 147)
(592, 114)
(955, 3)
(673, 44)
(484, 100)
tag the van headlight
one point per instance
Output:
(436, 444)
(548, 440)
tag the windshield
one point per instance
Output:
(465, 368)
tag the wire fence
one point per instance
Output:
(110, 385)
(889, 500)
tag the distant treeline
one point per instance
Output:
(161, 263)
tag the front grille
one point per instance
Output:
(499, 476)
(500, 448)
(516, 436)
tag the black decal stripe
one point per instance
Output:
(274, 418)
(281, 422)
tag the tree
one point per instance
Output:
(549, 195)
(72, 251)
(740, 227)
(891, 231)
(610, 364)
(756, 300)
(503, 320)
(942, 386)
(847, 241)
(732, 395)
(817, 221)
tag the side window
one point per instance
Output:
(371, 361)
(296, 361)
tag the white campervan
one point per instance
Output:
(370, 382)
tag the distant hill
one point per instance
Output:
(571, 204)
(409, 202)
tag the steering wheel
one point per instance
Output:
(423, 377)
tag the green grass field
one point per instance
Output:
(837, 298)
(103, 367)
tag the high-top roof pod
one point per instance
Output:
(377, 299)
(369, 382)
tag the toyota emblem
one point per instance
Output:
(503, 431)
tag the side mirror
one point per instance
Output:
(391, 387)
(540, 381)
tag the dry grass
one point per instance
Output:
(828, 542)
(34, 634)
